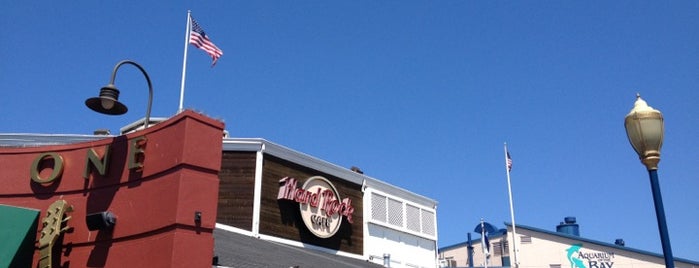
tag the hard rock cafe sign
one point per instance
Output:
(319, 203)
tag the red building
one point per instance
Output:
(144, 199)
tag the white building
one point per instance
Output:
(548, 249)
(401, 224)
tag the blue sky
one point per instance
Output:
(420, 94)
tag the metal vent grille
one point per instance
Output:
(378, 207)
(428, 222)
(412, 218)
(525, 239)
(501, 248)
(497, 248)
(395, 212)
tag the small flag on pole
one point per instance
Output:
(485, 243)
(484, 229)
(199, 39)
(509, 162)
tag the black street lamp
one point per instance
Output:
(644, 128)
(108, 100)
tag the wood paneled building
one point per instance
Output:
(278, 194)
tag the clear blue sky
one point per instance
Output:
(420, 94)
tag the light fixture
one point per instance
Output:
(644, 128)
(108, 100)
(100, 220)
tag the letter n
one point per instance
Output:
(100, 164)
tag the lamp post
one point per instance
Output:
(644, 128)
(108, 100)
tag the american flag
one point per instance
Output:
(509, 162)
(199, 39)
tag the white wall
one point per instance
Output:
(406, 250)
(397, 226)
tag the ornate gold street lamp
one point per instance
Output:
(644, 128)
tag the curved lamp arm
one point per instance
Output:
(150, 86)
(108, 100)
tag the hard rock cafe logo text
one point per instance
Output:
(319, 203)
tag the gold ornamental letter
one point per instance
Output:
(135, 149)
(57, 168)
(102, 166)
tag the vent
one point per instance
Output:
(402, 215)
(525, 239)
(501, 248)
(569, 226)
(428, 224)
(620, 242)
(378, 207)
(497, 248)
(413, 214)
(395, 212)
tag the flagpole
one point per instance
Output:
(184, 61)
(508, 166)
(485, 254)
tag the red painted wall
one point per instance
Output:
(155, 206)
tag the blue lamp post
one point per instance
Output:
(644, 128)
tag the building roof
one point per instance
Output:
(35, 140)
(243, 251)
(597, 242)
(502, 232)
(268, 147)
(475, 241)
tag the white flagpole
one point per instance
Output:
(485, 251)
(184, 61)
(512, 210)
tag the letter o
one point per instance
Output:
(57, 168)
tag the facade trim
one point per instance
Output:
(257, 206)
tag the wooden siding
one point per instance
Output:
(236, 190)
